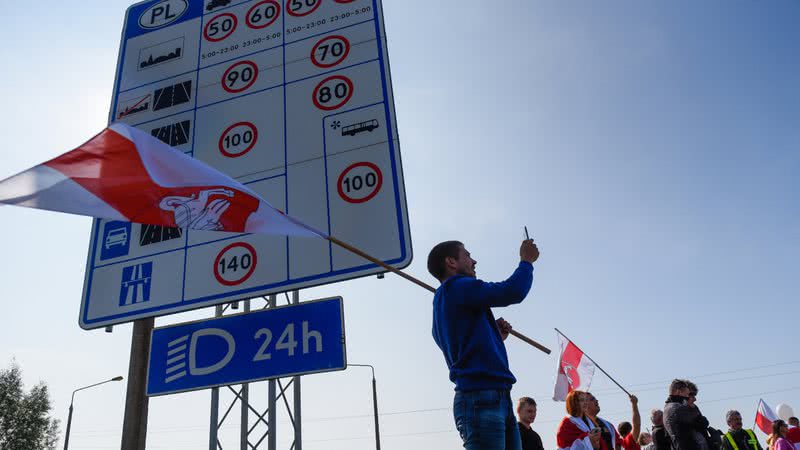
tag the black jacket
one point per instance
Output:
(661, 440)
(686, 426)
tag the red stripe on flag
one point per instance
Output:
(110, 167)
(763, 423)
(570, 360)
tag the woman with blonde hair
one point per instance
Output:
(574, 433)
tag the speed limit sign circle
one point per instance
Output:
(240, 76)
(333, 92)
(238, 139)
(235, 263)
(360, 182)
(220, 27)
(300, 8)
(263, 14)
(330, 51)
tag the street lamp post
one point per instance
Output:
(69, 418)
(374, 405)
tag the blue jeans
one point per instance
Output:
(485, 420)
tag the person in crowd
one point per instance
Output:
(630, 432)
(661, 440)
(471, 341)
(712, 436)
(777, 440)
(683, 421)
(526, 414)
(610, 439)
(793, 435)
(737, 437)
(574, 432)
(645, 441)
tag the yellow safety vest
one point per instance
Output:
(752, 441)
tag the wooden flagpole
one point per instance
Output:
(420, 283)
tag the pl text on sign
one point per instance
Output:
(277, 342)
(292, 98)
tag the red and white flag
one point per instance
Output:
(575, 370)
(765, 416)
(126, 174)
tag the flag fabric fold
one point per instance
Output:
(765, 416)
(575, 370)
(123, 173)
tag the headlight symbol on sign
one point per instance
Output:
(185, 347)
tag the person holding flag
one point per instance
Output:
(471, 341)
(737, 437)
(630, 431)
(574, 374)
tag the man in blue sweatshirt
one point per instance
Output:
(472, 342)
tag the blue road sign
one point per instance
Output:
(136, 282)
(116, 240)
(290, 340)
(303, 117)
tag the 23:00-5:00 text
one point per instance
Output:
(247, 43)
(348, 14)
(321, 22)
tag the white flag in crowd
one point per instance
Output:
(765, 416)
(575, 370)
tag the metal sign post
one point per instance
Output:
(134, 426)
(259, 421)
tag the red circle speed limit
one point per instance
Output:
(240, 76)
(330, 51)
(360, 182)
(238, 139)
(299, 8)
(333, 92)
(235, 263)
(263, 14)
(220, 27)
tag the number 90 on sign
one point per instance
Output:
(360, 182)
(240, 76)
(235, 263)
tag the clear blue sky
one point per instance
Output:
(652, 148)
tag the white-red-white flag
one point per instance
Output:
(126, 174)
(765, 416)
(575, 370)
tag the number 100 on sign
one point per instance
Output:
(360, 182)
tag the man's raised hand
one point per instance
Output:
(528, 251)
